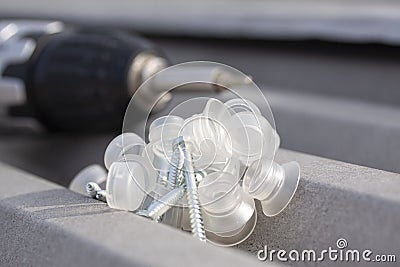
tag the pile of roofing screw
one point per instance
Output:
(201, 174)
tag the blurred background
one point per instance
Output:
(330, 70)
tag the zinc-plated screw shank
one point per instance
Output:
(196, 218)
(95, 191)
(176, 165)
(161, 206)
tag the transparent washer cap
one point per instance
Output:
(122, 145)
(229, 213)
(273, 184)
(128, 183)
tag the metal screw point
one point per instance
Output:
(95, 191)
(161, 206)
(196, 218)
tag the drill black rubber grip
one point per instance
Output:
(78, 80)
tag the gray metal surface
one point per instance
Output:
(55, 157)
(362, 133)
(329, 20)
(334, 200)
(363, 73)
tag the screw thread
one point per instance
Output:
(161, 206)
(95, 191)
(196, 218)
(101, 195)
(92, 188)
(175, 167)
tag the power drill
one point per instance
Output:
(78, 79)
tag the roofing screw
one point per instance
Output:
(95, 191)
(161, 206)
(196, 218)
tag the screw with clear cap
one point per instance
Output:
(159, 207)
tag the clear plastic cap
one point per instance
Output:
(237, 105)
(227, 209)
(128, 183)
(165, 128)
(235, 238)
(92, 173)
(274, 185)
(124, 144)
(217, 110)
(162, 132)
(208, 139)
(229, 165)
(252, 137)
